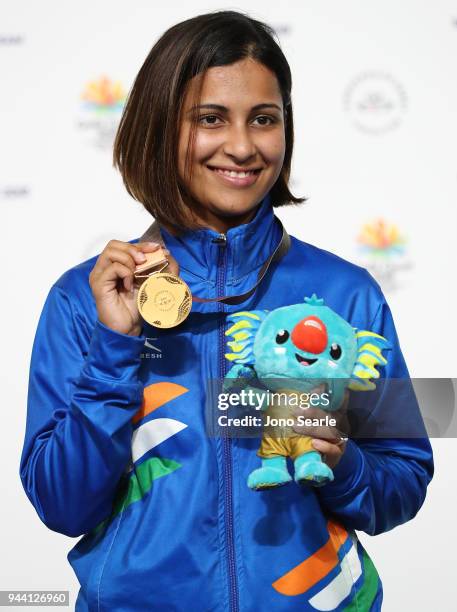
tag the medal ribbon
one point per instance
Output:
(153, 233)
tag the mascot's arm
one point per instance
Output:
(238, 370)
(241, 377)
(382, 482)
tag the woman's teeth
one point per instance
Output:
(234, 174)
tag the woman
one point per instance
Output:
(116, 447)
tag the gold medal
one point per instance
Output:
(164, 300)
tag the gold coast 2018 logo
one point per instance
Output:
(375, 102)
(383, 251)
(102, 101)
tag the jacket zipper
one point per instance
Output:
(226, 442)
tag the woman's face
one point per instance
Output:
(240, 128)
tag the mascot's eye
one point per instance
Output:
(335, 351)
(282, 336)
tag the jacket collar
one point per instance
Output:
(247, 246)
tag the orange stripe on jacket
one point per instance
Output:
(305, 575)
(157, 395)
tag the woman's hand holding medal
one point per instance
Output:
(115, 287)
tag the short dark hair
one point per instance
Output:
(146, 144)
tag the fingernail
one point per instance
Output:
(318, 444)
(153, 244)
(141, 256)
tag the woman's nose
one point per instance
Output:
(239, 143)
(310, 335)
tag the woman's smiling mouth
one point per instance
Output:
(236, 178)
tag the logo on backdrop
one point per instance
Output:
(383, 252)
(11, 40)
(375, 102)
(102, 102)
(13, 193)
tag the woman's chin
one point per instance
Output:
(228, 205)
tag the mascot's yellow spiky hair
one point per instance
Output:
(369, 347)
(246, 325)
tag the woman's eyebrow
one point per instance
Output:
(222, 108)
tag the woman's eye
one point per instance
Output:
(265, 120)
(335, 351)
(282, 336)
(208, 117)
(271, 120)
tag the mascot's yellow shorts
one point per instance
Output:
(291, 446)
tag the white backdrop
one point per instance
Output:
(375, 98)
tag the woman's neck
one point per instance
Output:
(222, 224)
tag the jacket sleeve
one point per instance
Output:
(381, 482)
(81, 398)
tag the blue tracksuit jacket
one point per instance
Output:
(116, 448)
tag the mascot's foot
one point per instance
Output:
(310, 469)
(273, 473)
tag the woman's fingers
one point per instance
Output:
(125, 252)
(118, 255)
(114, 259)
(313, 422)
(331, 451)
(117, 270)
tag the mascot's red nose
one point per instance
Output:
(310, 335)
